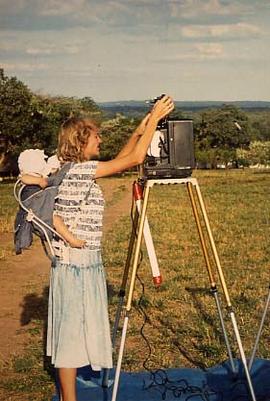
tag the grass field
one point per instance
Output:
(8, 207)
(182, 325)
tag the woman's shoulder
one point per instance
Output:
(85, 165)
(84, 169)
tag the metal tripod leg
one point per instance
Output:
(131, 291)
(213, 287)
(225, 290)
(259, 331)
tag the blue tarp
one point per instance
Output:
(214, 384)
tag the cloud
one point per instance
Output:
(39, 15)
(44, 44)
(201, 8)
(52, 50)
(39, 7)
(210, 50)
(75, 9)
(106, 14)
(239, 30)
(60, 7)
(12, 7)
(24, 67)
(199, 52)
(37, 52)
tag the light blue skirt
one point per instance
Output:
(78, 325)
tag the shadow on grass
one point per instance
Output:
(213, 322)
(206, 320)
(112, 291)
(35, 311)
(35, 307)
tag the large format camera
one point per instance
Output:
(171, 152)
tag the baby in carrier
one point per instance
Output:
(41, 178)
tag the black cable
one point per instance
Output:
(178, 388)
(159, 378)
(145, 321)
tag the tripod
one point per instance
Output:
(133, 255)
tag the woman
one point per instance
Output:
(78, 325)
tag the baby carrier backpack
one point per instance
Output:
(35, 214)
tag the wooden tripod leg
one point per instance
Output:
(200, 231)
(131, 291)
(213, 287)
(225, 291)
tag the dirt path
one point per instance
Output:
(24, 278)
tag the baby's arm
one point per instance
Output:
(62, 229)
(28, 179)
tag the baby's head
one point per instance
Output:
(33, 162)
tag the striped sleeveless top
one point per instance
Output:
(84, 220)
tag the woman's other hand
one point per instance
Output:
(76, 242)
(68, 236)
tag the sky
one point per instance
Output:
(137, 49)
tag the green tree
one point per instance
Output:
(222, 130)
(48, 113)
(260, 125)
(15, 111)
(115, 133)
(29, 120)
(257, 153)
(89, 107)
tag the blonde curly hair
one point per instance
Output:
(73, 138)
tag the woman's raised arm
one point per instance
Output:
(139, 131)
(135, 153)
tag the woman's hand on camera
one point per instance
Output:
(162, 107)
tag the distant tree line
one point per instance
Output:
(223, 136)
